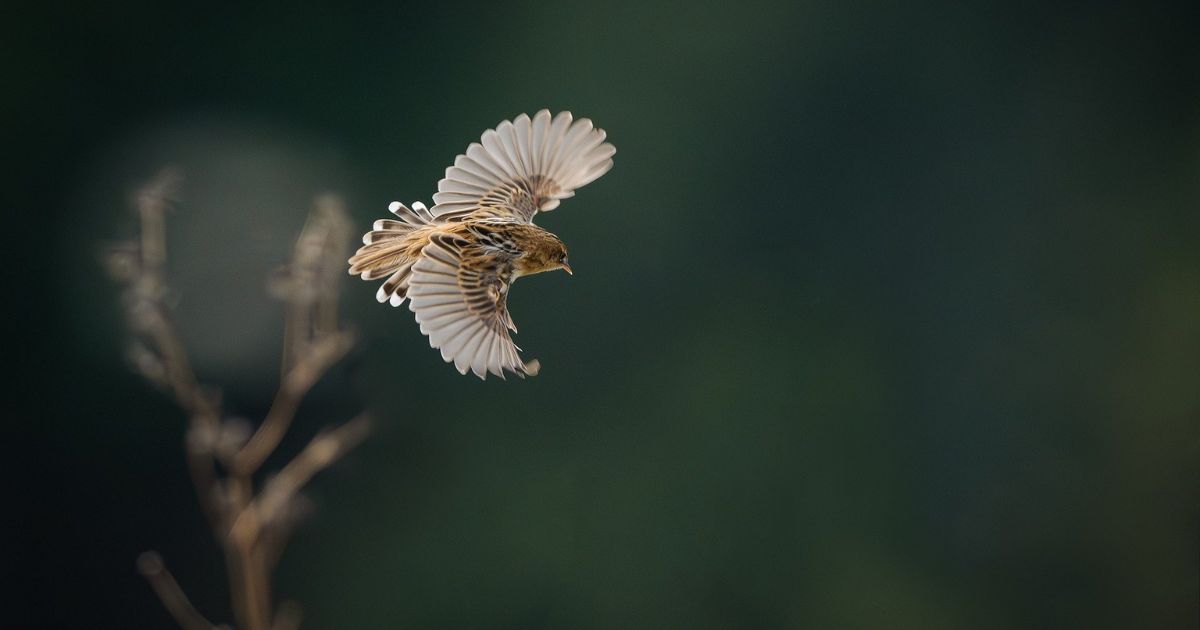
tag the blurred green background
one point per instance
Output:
(888, 315)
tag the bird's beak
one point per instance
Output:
(567, 268)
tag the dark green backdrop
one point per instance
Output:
(888, 315)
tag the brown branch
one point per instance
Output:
(320, 356)
(336, 231)
(151, 566)
(260, 516)
(252, 529)
(180, 377)
(149, 290)
(249, 572)
(312, 340)
(324, 449)
(309, 284)
(150, 313)
(152, 201)
(274, 538)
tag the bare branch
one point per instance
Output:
(275, 534)
(252, 580)
(324, 449)
(152, 202)
(331, 213)
(149, 287)
(252, 529)
(312, 340)
(204, 478)
(309, 283)
(150, 565)
(320, 356)
(158, 353)
(180, 377)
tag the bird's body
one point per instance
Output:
(456, 262)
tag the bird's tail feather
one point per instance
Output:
(388, 250)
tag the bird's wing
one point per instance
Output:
(524, 166)
(458, 293)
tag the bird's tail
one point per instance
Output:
(390, 249)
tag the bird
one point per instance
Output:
(455, 263)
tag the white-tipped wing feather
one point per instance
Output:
(524, 166)
(459, 294)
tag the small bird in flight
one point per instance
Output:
(455, 263)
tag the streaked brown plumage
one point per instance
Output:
(455, 263)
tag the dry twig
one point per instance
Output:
(151, 566)
(224, 456)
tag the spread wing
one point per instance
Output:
(524, 166)
(458, 292)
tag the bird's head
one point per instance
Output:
(545, 254)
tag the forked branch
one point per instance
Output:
(251, 526)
